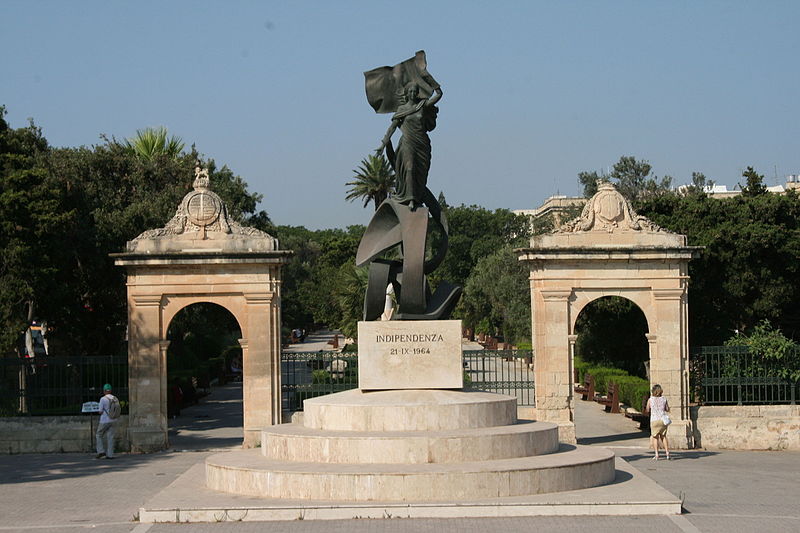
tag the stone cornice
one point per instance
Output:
(206, 257)
(608, 253)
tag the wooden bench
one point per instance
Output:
(587, 389)
(611, 400)
(641, 417)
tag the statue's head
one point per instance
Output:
(412, 92)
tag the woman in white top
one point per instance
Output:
(658, 408)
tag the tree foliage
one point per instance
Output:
(150, 143)
(497, 297)
(475, 233)
(631, 178)
(374, 181)
(754, 183)
(749, 267)
(771, 345)
(64, 210)
(321, 285)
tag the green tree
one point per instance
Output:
(321, 283)
(749, 267)
(631, 178)
(497, 292)
(32, 216)
(754, 183)
(475, 233)
(374, 181)
(151, 143)
(93, 199)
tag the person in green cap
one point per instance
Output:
(109, 413)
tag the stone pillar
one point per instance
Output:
(669, 365)
(260, 369)
(147, 423)
(552, 365)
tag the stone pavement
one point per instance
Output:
(316, 341)
(722, 491)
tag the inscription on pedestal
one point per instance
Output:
(410, 354)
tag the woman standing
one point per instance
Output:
(658, 408)
(415, 117)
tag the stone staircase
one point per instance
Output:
(409, 446)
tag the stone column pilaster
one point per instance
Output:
(147, 424)
(258, 358)
(552, 366)
(669, 367)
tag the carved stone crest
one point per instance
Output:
(202, 216)
(608, 211)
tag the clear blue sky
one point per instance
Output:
(534, 92)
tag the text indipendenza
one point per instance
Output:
(413, 337)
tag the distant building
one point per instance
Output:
(560, 207)
(722, 191)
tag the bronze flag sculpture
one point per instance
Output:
(402, 222)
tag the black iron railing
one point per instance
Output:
(307, 375)
(59, 385)
(310, 374)
(733, 375)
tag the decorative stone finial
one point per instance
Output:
(201, 181)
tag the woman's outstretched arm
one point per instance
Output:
(388, 137)
(435, 97)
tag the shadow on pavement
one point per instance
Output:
(613, 438)
(47, 467)
(216, 422)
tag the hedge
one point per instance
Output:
(603, 375)
(632, 389)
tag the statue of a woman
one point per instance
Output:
(415, 117)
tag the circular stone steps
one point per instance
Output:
(249, 473)
(409, 445)
(291, 442)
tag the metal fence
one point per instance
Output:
(59, 385)
(723, 375)
(310, 374)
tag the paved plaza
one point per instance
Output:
(722, 491)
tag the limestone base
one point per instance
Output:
(147, 439)
(409, 445)
(186, 500)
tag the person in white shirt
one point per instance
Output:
(105, 430)
(658, 408)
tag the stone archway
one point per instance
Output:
(609, 251)
(201, 256)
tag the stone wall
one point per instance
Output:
(49, 434)
(747, 427)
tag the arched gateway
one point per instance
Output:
(201, 255)
(609, 251)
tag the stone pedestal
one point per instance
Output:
(419, 354)
(409, 446)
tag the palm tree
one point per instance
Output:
(152, 142)
(374, 180)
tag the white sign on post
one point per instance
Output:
(91, 407)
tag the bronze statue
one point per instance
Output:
(415, 117)
(410, 92)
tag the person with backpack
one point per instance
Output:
(110, 411)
